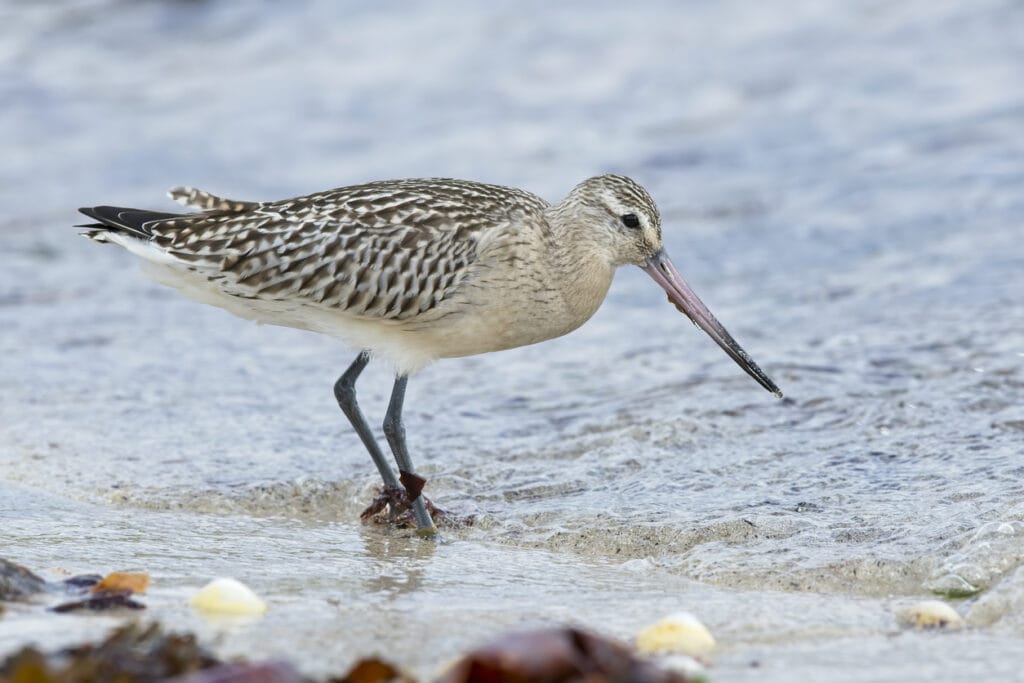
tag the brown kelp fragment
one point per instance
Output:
(269, 672)
(392, 507)
(145, 654)
(100, 602)
(412, 482)
(132, 654)
(29, 665)
(556, 656)
(17, 582)
(373, 671)
(120, 582)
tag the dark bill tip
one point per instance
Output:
(662, 271)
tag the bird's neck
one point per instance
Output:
(582, 269)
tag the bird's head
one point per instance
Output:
(620, 217)
(624, 224)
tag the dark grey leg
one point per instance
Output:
(345, 392)
(394, 430)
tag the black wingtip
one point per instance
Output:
(135, 221)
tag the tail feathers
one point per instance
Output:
(206, 201)
(136, 222)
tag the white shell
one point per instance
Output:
(680, 633)
(228, 596)
(929, 614)
(690, 667)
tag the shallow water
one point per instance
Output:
(842, 183)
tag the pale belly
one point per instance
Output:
(479, 320)
(517, 316)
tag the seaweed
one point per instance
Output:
(563, 655)
(96, 602)
(130, 654)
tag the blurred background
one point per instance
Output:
(842, 182)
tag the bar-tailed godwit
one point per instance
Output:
(411, 271)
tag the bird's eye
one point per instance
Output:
(630, 220)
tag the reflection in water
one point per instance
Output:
(399, 560)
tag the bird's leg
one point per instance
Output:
(394, 430)
(345, 392)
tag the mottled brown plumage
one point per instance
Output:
(388, 250)
(394, 253)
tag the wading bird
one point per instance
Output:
(411, 271)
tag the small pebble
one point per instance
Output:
(17, 582)
(930, 614)
(121, 582)
(228, 596)
(680, 633)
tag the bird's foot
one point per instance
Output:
(393, 507)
